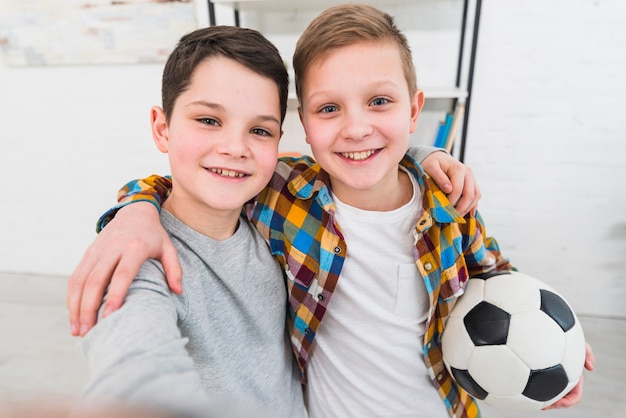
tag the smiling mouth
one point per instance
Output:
(227, 173)
(358, 156)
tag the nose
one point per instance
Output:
(356, 126)
(234, 144)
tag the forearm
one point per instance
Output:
(154, 189)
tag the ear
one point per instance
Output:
(417, 103)
(300, 115)
(160, 132)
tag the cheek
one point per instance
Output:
(319, 133)
(267, 158)
(191, 145)
(179, 158)
(398, 127)
(186, 154)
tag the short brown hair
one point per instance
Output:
(245, 46)
(345, 25)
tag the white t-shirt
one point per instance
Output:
(367, 358)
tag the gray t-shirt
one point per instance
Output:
(223, 339)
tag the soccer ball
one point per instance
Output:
(512, 342)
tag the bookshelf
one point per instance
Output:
(443, 35)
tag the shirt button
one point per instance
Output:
(337, 249)
(320, 297)
(428, 266)
(307, 331)
(439, 377)
(423, 222)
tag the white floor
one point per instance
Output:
(41, 368)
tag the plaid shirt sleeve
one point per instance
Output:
(154, 189)
(482, 253)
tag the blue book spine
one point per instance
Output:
(442, 132)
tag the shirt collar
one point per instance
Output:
(435, 203)
(310, 180)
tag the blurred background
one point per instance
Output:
(545, 137)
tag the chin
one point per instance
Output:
(227, 203)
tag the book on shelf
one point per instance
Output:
(442, 132)
(456, 121)
(448, 127)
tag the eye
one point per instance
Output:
(260, 132)
(328, 109)
(209, 121)
(379, 101)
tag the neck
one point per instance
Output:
(216, 224)
(385, 197)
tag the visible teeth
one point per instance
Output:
(227, 173)
(358, 155)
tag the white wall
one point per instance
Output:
(546, 142)
(70, 137)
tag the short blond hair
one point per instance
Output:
(345, 25)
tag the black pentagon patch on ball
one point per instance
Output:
(545, 384)
(556, 308)
(466, 381)
(487, 324)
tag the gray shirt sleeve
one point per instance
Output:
(420, 152)
(137, 355)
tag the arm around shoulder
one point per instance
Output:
(133, 236)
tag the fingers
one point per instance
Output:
(470, 194)
(132, 237)
(172, 268)
(576, 394)
(93, 288)
(75, 286)
(90, 304)
(459, 182)
(590, 358)
(120, 274)
(86, 287)
(571, 399)
(439, 176)
(455, 179)
(121, 279)
(477, 195)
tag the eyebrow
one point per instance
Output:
(204, 103)
(375, 84)
(220, 108)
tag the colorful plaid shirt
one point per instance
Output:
(295, 214)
